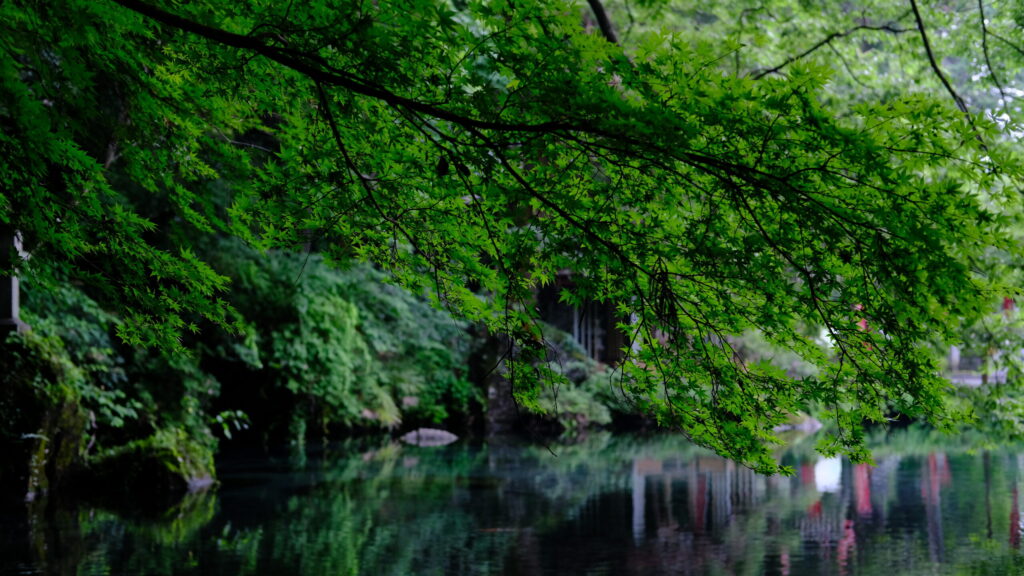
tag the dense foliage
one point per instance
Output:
(710, 172)
(350, 348)
(320, 348)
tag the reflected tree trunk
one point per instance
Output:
(638, 484)
(986, 459)
(932, 488)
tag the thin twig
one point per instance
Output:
(1002, 39)
(935, 65)
(960, 103)
(846, 64)
(988, 60)
(827, 41)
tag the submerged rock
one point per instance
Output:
(429, 437)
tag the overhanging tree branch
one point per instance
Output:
(322, 73)
(319, 71)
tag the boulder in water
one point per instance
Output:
(429, 437)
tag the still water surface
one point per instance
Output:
(604, 506)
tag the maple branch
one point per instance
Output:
(320, 71)
(603, 21)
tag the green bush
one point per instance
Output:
(572, 391)
(128, 392)
(348, 347)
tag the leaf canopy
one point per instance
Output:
(478, 149)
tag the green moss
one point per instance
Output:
(56, 448)
(168, 462)
(38, 482)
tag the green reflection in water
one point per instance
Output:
(607, 505)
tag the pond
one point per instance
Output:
(604, 505)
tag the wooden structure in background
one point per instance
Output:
(593, 325)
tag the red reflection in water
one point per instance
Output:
(1015, 520)
(807, 478)
(847, 546)
(936, 475)
(814, 510)
(862, 489)
(700, 504)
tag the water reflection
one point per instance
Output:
(609, 505)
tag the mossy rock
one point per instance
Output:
(165, 465)
(56, 449)
(42, 423)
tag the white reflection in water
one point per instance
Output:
(828, 473)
